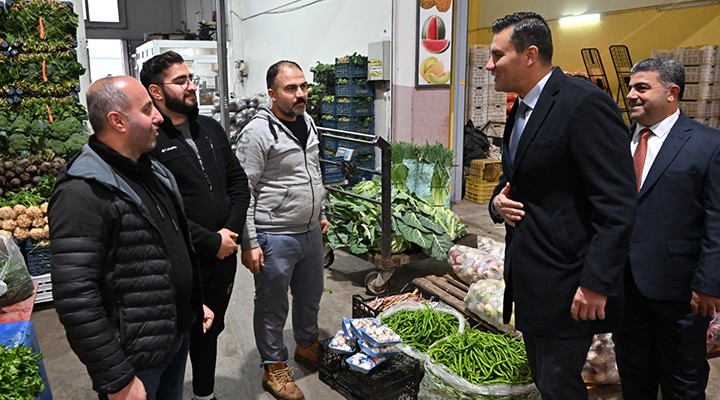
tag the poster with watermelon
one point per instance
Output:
(434, 43)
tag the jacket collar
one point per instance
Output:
(674, 142)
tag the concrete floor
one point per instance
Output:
(238, 372)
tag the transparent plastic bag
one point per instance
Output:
(485, 298)
(412, 352)
(14, 272)
(600, 366)
(439, 383)
(713, 338)
(472, 265)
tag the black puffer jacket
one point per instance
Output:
(110, 272)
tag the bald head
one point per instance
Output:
(122, 115)
(104, 96)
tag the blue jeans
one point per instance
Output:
(294, 262)
(165, 382)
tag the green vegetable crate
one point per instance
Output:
(395, 379)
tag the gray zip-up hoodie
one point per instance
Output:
(286, 188)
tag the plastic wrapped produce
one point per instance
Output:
(600, 367)
(713, 338)
(472, 265)
(485, 299)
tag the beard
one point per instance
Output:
(181, 105)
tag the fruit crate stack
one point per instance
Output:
(483, 178)
(701, 99)
(484, 104)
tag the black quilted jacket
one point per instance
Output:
(110, 272)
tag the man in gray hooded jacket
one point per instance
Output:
(282, 241)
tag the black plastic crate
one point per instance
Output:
(37, 257)
(361, 308)
(395, 379)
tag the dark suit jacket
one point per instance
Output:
(573, 172)
(675, 245)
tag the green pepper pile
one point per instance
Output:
(483, 358)
(422, 327)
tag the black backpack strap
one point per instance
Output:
(272, 130)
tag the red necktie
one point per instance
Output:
(639, 156)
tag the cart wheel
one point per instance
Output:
(329, 258)
(370, 280)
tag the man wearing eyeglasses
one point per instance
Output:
(214, 190)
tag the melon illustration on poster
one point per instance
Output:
(434, 43)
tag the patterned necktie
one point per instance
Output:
(518, 128)
(639, 156)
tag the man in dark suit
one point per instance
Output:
(567, 197)
(672, 281)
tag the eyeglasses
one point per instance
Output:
(183, 82)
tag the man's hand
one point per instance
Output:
(511, 211)
(208, 318)
(135, 390)
(227, 243)
(253, 259)
(324, 225)
(588, 305)
(704, 304)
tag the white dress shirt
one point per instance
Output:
(655, 141)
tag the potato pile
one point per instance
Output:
(21, 222)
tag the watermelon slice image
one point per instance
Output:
(435, 46)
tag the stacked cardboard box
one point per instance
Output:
(484, 104)
(701, 100)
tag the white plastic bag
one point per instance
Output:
(472, 265)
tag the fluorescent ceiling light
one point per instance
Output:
(579, 19)
(687, 4)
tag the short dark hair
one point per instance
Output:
(274, 69)
(529, 29)
(671, 72)
(154, 68)
(105, 96)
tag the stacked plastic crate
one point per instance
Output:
(352, 110)
(484, 177)
(701, 100)
(484, 104)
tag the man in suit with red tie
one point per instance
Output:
(672, 280)
(567, 197)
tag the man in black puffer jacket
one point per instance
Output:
(124, 272)
(214, 190)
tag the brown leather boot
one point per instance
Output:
(278, 380)
(308, 357)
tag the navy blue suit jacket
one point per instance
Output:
(573, 173)
(675, 245)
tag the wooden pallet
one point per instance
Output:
(452, 292)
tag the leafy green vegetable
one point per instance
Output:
(20, 372)
(356, 222)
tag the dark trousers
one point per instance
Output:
(165, 382)
(217, 284)
(660, 344)
(556, 365)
